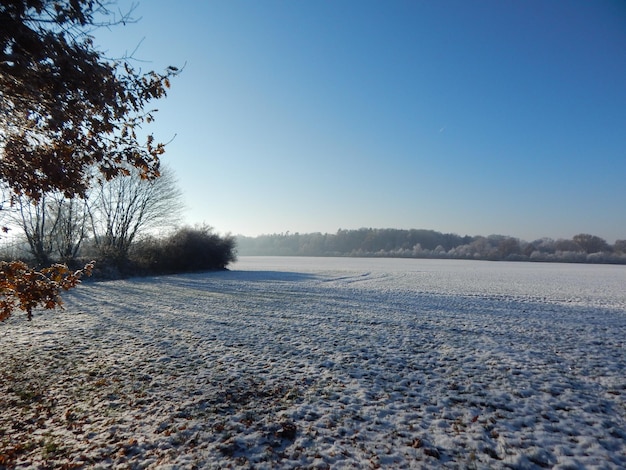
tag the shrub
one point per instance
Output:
(186, 250)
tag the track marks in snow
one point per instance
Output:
(325, 368)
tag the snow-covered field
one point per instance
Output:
(324, 363)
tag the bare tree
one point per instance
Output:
(71, 228)
(620, 246)
(38, 222)
(123, 208)
(591, 243)
(54, 226)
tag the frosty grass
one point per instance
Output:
(324, 363)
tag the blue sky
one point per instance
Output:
(482, 117)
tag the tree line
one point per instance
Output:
(117, 223)
(370, 242)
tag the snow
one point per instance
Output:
(324, 363)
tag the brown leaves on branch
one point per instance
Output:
(69, 116)
(26, 288)
(64, 107)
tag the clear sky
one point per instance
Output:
(481, 117)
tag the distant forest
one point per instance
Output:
(369, 242)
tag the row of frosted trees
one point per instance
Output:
(433, 244)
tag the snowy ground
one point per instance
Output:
(324, 363)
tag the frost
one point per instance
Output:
(317, 363)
